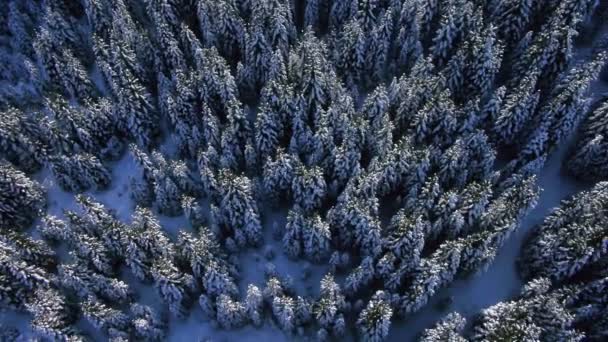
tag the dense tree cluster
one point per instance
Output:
(401, 138)
(564, 266)
(21, 198)
(571, 238)
(589, 160)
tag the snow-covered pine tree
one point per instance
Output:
(194, 211)
(238, 210)
(341, 11)
(20, 26)
(470, 158)
(62, 67)
(433, 273)
(174, 287)
(86, 282)
(308, 188)
(303, 311)
(22, 198)
(167, 194)
(283, 310)
(113, 322)
(257, 57)
(435, 122)
(52, 316)
(20, 278)
(405, 242)
(517, 109)
(231, 314)
(254, 305)
(537, 315)
(98, 15)
(589, 160)
(99, 123)
(503, 216)
(570, 238)
(450, 28)
(329, 309)
(408, 45)
(80, 172)
(221, 26)
(135, 112)
(374, 321)
(360, 278)
(351, 52)
(377, 56)
(145, 243)
(268, 129)
(16, 145)
(355, 216)
(278, 176)
(569, 99)
(31, 250)
(412, 92)
(379, 138)
(486, 59)
(208, 262)
(292, 238)
(448, 329)
(235, 136)
(512, 18)
(147, 323)
(316, 236)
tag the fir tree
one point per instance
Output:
(374, 321)
(380, 46)
(408, 41)
(448, 329)
(283, 310)
(253, 305)
(513, 18)
(21, 198)
(238, 211)
(550, 254)
(308, 188)
(207, 261)
(341, 12)
(486, 61)
(516, 110)
(328, 311)
(80, 172)
(16, 145)
(20, 278)
(145, 243)
(587, 161)
(86, 282)
(147, 324)
(174, 287)
(112, 322)
(52, 317)
(360, 278)
(230, 313)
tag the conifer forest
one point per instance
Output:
(304, 170)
